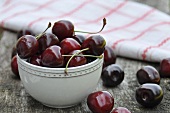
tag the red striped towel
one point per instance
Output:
(133, 30)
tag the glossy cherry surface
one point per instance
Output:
(14, 66)
(96, 45)
(120, 110)
(24, 32)
(100, 102)
(47, 40)
(77, 60)
(52, 57)
(79, 38)
(148, 74)
(112, 75)
(109, 56)
(36, 60)
(165, 68)
(27, 46)
(149, 95)
(63, 29)
(69, 44)
(14, 52)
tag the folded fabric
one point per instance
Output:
(133, 30)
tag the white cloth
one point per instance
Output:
(133, 30)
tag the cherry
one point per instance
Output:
(63, 29)
(109, 56)
(69, 44)
(120, 110)
(100, 102)
(112, 75)
(149, 95)
(76, 60)
(52, 57)
(79, 38)
(96, 45)
(36, 60)
(47, 40)
(165, 68)
(27, 46)
(14, 52)
(14, 66)
(148, 74)
(24, 32)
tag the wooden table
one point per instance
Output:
(14, 98)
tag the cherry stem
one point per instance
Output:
(101, 56)
(72, 58)
(104, 23)
(49, 25)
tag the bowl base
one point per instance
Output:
(56, 106)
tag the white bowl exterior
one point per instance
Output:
(62, 91)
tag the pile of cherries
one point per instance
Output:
(63, 48)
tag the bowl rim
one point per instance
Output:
(30, 68)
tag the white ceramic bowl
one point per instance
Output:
(53, 88)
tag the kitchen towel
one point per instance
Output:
(133, 30)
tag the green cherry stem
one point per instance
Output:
(72, 58)
(104, 23)
(101, 56)
(49, 25)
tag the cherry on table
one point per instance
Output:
(63, 29)
(109, 56)
(112, 75)
(14, 66)
(100, 102)
(120, 110)
(69, 44)
(149, 95)
(14, 52)
(52, 57)
(165, 68)
(27, 46)
(47, 40)
(148, 74)
(96, 45)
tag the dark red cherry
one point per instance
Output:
(109, 56)
(148, 74)
(112, 75)
(96, 45)
(24, 32)
(63, 29)
(120, 110)
(36, 60)
(52, 57)
(76, 60)
(27, 46)
(165, 68)
(149, 95)
(100, 102)
(79, 38)
(69, 44)
(14, 66)
(14, 52)
(47, 40)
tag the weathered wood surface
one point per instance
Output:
(14, 98)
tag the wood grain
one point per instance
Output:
(14, 98)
